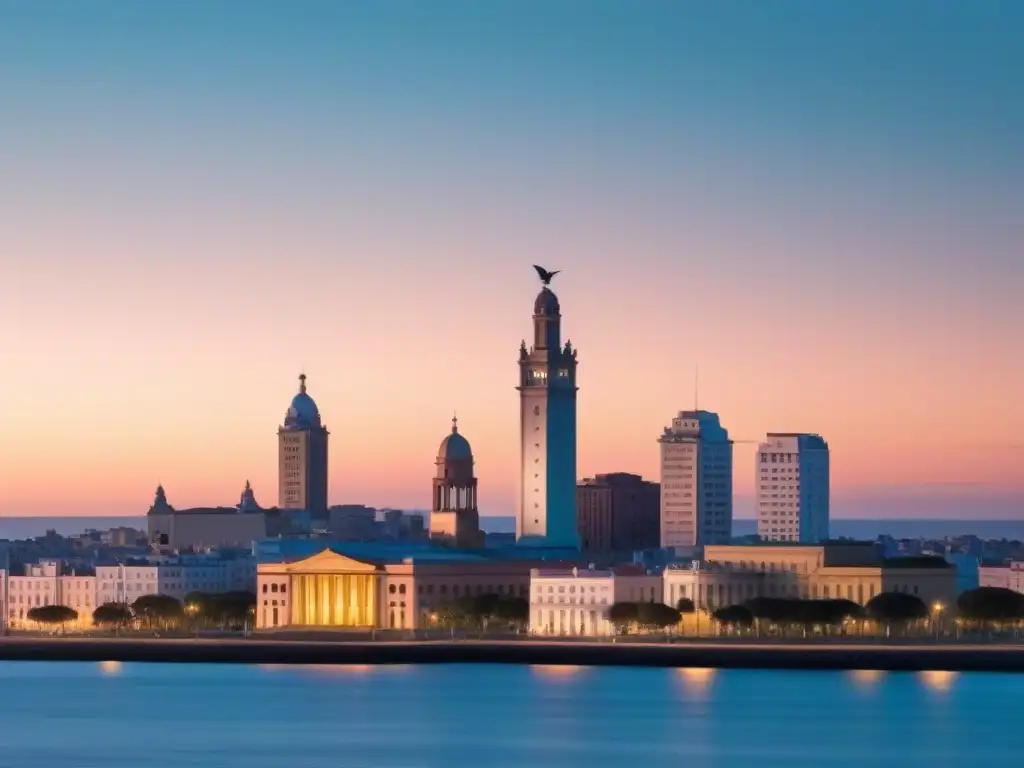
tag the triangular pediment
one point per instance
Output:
(329, 561)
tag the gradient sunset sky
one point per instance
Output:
(821, 204)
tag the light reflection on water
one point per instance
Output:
(450, 715)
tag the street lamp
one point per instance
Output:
(937, 609)
(192, 609)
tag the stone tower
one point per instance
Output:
(302, 456)
(454, 518)
(547, 406)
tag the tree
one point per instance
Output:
(621, 615)
(685, 605)
(514, 610)
(734, 616)
(991, 604)
(52, 614)
(158, 610)
(233, 609)
(895, 608)
(112, 615)
(656, 615)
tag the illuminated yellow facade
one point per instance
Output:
(332, 590)
(325, 590)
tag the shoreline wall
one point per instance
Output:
(256, 651)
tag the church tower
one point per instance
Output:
(454, 518)
(302, 456)
(547, 407)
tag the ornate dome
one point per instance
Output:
(302, 413)
(455, 446)
(546, 303)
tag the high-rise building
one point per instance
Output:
(617, 512)
(302, 456)
(793, 488)
(547, 403)
(454, 517)
(696, 481)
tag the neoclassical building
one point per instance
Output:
(454, 517)
(333, 590)
(732, 574)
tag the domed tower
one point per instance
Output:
(302, 456)
(454, 518)
(547, 406)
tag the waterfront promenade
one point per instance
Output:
(717, 654)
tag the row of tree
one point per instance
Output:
(484, 612)
(227, 610)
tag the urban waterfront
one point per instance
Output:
(114, 714)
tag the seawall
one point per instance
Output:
(960, 658)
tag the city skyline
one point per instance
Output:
(295, 196)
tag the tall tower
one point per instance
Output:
(793, 488)
(302, 456)
(696, 481)
(547, 407)
(454, 518)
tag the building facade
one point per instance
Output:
(173, 530)
(175, 577)
(547, 403)
(618, 512)
(333, 590)
(793, 496)
(854, 571)
(454, 517)
(1005, 575)
(696, 481)
(576, 601)
(48, 582)
(302, 456)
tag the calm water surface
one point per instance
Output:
(113, 715)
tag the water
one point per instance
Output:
(861, 529)
(220, 716)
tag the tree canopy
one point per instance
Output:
(154, 609)
(647, 615)
(896, 607)
(991, 604)
(734, 615)
(791, 610)
(52, 614)
(112, 615)
(477, 610)
(685, 605)
(656, 615)
(623, 614)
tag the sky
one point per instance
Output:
(820, 205)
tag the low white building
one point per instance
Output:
(48, 582)
(576, 601)
(1006, 575)
(175, 577)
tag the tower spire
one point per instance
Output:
(302, 383)
(455, 423)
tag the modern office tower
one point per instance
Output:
(547, 404)
(302, 456)
(696, 481)
(793, 488)
(617, 512)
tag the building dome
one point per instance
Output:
(302, 413)
(454, 447)
(546, 303)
